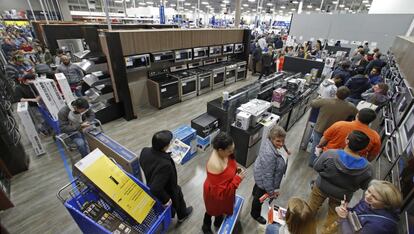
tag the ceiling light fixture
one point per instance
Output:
(245, 5)
(269, 4)
(346, 8)
(141, 3)
(368, 5)
(318, 9)
(252, 0)
(282, 7)
(341, 6)
(204, 3)
(335, 2)
(295, 2)
(309, 6)
(187, 4)
(365, 1)
(149, 3)
(172, 4)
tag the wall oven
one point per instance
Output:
(228, 49)
(183, 55)
(201, 52)
(162, 56)
(238, 48)
(230, 74)
(241, 70)
(215, 51)
(137, 62)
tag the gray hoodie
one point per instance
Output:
(269, 167)
(342, 174)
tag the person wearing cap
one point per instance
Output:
(72, 122)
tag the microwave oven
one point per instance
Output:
(215, 51)
(238, 48)
(201, 52)
(228, 49)
(137, 62)
(183, 55)
(162, 56)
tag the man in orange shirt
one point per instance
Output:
(334, 137)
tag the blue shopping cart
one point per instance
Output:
(78, 193)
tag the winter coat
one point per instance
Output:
(269, 167)
(358, 84)
(341, 174)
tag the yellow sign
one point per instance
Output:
(117, 185)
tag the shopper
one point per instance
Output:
(335, 136)
(73, 122)
(327, 89)
(341, 74)
(267, 61)
(221, 183)
(299, 219)
(357, 85)
(375, 76)
(378, 212)
(269, 168)
(256, 57)
(58, 57)
(73, 73)
(8, 47)
(331, 110)
(366, 47)
(278, 43)
(338, 44)
(357, 57)
(377, 95)
(16, 69)
(301, 52)
(161, 174)
(376, 62)
(340, 174)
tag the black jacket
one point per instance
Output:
(374, 63)
(160, 173)
(267, 60)
(358, 84)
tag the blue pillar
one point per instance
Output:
(162, 14)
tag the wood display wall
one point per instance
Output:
(131, 86)
(403, 49)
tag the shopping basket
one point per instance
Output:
(77, 193)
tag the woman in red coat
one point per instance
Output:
(221, 183)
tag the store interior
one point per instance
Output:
(273, 116)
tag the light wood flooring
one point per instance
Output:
(37, 210)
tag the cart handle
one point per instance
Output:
(59, 195)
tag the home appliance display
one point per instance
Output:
(215, 51)
(247, 143)
(163, 90)
(218, 74)
(183, 55)
(279, 97)
(162, 56)
(269, 120)
(137, 62)
(205, 124)
(238, 48)
(195, 64)
(267, 85)
(242, 120)
(230, 73)
(222, 59)
(201, 52)
(402, 102)
(228, 49)
(188, 84)
(241, 70)
(204, 80)
(257, 108)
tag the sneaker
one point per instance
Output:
(260, 220)
(189, 211)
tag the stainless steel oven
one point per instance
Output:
(137, 62)
(183, 55)
(204, 81)
(163, 89)
(162, 56)
(218, 77)
(241, 70)
(201, 52)
(228, 49)
(389, 157)
(215, 51)
(238, 48)
(402, 102)
(188, 87)
(230, 74)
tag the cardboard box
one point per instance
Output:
(29, 127)
(46, 98)
(65, 88)
(56, 95)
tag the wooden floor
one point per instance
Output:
(38, 210)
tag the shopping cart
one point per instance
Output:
(78, 193)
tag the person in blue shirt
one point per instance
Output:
(374, 76)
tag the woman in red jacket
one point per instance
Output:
(223, 178)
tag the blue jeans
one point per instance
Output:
(272, 228)
(316, 138)
(80, 143)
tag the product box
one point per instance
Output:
(117, 186)
(56, 95)
(278, 97)
(46, 98)
(65, 87)
(29, 127)
(187, 135)
(204, 124)
(204, 143)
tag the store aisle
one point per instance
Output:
(34, 192)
